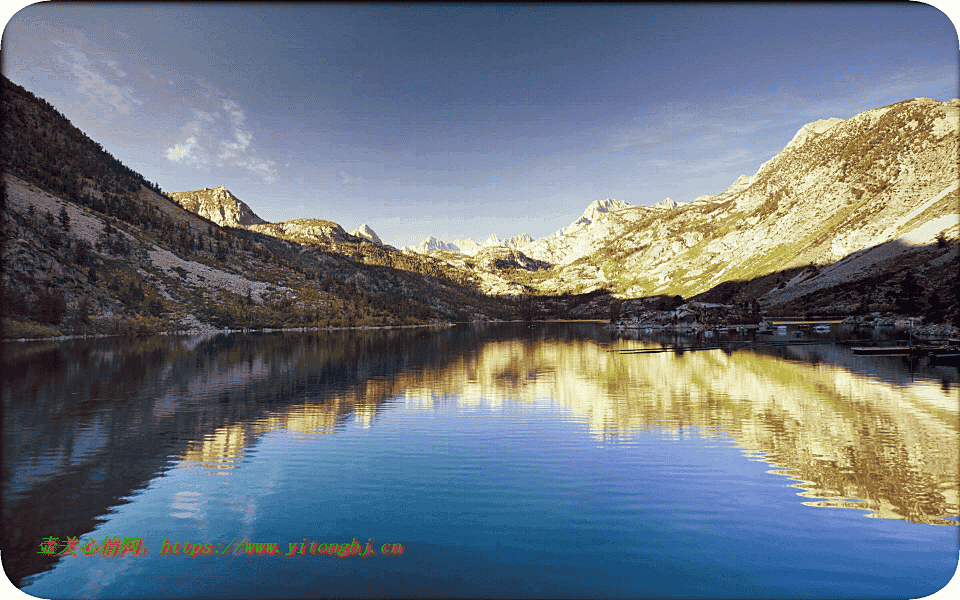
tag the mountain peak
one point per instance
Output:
(219, 205)
(812, 130)
(666, 203)
(471, 248)
(598, 207)
(602, 206)
(365, 231)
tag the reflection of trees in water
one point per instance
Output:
(89, 422)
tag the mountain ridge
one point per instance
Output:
(852, 215)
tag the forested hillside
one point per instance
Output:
(90, 245)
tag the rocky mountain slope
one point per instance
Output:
(838, 219)
(91, 246)
(838, 189)
(491, 273)
(223, 208)
(364, 231)
(851, 216)
(871, 200)
(218, 205)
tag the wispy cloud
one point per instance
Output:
(208, 129)
(189, 150)
(231, 149)
(208, 117)
(711, 128)
(114, 66)
(236, 114)
(179, 152)
(93, 82)
(348, 179)
(264, 168)
(730, 159)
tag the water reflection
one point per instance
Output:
(89, 423)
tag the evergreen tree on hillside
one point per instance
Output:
(64, 218)
(907, 299)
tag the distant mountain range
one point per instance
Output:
(470, 247)
(853, 215)
(855, 204)
(223, 208)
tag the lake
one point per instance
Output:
(475, 460)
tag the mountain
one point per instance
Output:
(305, 231)
(469, 247)
(853, 216)
(91, 246)
(218, 205)
(866, 199)
(364, 231)
(432, 244)
(585, 235)
(223, 208)
(492, 275)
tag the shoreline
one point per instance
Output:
(928, 331)
(213, 330)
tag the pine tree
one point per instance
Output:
(64, 218)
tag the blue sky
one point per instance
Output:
(466, 120)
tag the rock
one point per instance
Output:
(305, 231)
(218, 205)
(866, 191)
(364, 231)
(468, 246)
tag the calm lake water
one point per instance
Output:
(506, 460)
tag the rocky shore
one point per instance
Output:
(700, 316)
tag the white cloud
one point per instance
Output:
(182, 151)
(243, 139)
(205, 129)
(230, 149)
(96, 87)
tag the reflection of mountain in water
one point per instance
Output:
(841, 434)
(88, 423)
